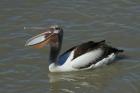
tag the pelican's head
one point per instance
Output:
(52, 36)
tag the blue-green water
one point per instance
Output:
(25, 70)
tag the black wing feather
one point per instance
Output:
(86, 47)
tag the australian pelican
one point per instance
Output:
(88, 55)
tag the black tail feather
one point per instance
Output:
(115, 50)
(120, 50)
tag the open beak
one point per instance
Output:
(42, 39)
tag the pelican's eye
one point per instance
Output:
(57, 28)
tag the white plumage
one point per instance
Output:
(83, 60)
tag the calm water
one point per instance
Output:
(25, 70)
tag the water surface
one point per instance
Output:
(25, 70)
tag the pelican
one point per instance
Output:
(88, 55)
